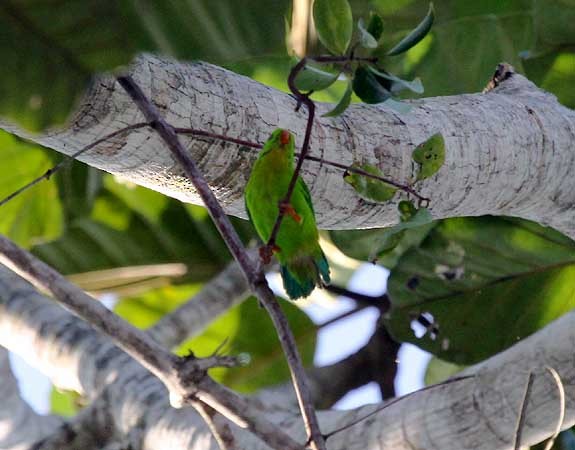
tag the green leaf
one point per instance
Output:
(343, 103)
(334, 24)
(131, 227)
(78, 186)
(430, 155)
(369, 189)
(51, 50)
(236, 328)
(484, 282)
(375, 26)
(368, 88)
(312, 79)
(398, 106)
(365, 37)
(553, 72)
(397, 84)
(416, 35)
(144, 310)
(491, 31)
(35, 215)
(553, 23)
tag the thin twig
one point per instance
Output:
(71, 158)
(522, 413)
(256, 145)
(253, 272)
(221, 137)
(302, 99)
(208, 134)
(221, 432)
(561, 390)
(402, 187)
(381, 302)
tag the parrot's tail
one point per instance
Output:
(301, 276)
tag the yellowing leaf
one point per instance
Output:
(430, 155)
(369, 189)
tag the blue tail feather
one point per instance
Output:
(293, 288)
(323, 268)
(301, 276)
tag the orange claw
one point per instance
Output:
(266, 252)
(287, 208)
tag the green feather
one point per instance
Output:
(303, 264)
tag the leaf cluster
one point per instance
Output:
(353, 56)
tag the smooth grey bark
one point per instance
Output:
(16, 414)
(508, 151)
(476, 413)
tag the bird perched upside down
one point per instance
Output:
(303, 264)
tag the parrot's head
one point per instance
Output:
(280, 141)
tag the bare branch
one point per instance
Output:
(166, 366)
(323, 161)
(69, 160)
(221, 431)
(521, 417)
(375, 361)
(133, 341)
(561, 391)
(302, 99)
(538, 142)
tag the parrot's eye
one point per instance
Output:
(284, 137)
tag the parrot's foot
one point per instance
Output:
(287, 209)
(266, 252)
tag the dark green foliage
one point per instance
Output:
(484, 282)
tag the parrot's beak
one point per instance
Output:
(284, 137)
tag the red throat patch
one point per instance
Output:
(284, 137)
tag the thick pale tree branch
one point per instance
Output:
(183, 377)
(508, 151)
(478, 413)
(20, 425)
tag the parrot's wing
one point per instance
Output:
(300, 184)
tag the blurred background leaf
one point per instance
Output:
(135, 239)
(33, 216)
(484, 283)
(61, 44)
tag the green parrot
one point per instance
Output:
(303, 264)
